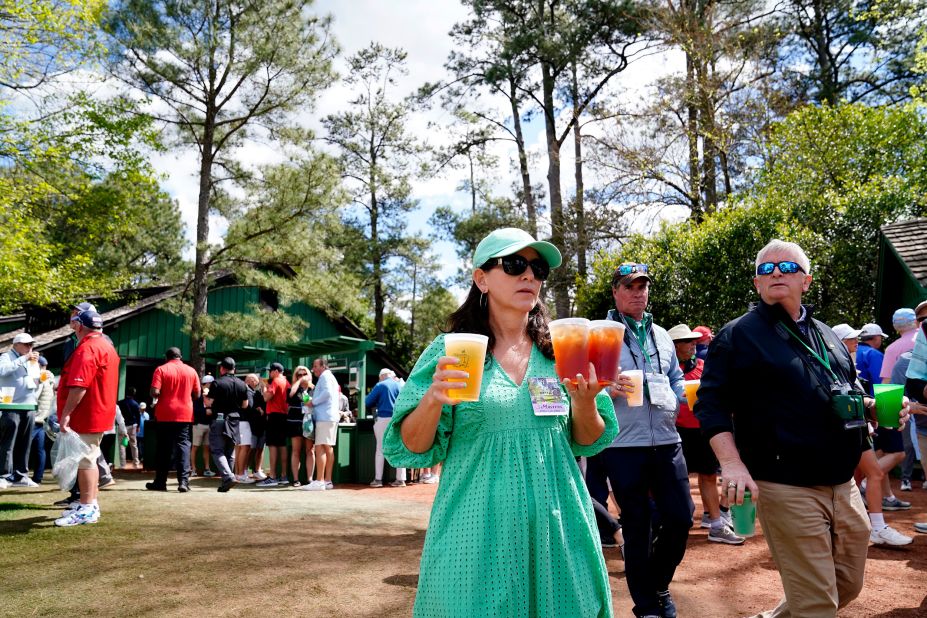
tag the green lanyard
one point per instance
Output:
(825, 360)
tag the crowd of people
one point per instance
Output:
(786, 416)
(782, 418)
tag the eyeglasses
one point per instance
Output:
(626, 269)
(786, 268)
(515, 265)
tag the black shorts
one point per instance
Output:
(888, 440)
(275, 430)
(294, 422)
(697, 451)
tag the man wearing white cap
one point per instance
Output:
(868, 355)
(381, 398)
(904, 321)
(19, 370)
(849, 336)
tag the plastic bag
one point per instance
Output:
(71, 450)
(308, 424)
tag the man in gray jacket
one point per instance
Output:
(19, 370)
(645, 463)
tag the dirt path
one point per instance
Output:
(351, 552)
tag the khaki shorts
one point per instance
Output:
(89, 461)
(200, 435)
(326, 432)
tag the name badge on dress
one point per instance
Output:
(547, 397)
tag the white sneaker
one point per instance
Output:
(24, 481)
(259, 475)
(432, 479)
(889, 536)
(314, 486)
(726, 519)
(425, 477)
(397, 483)
(245, 479)
(4, 484)
(905, 485)
(329, 485)
(376, 483)
(88, 514)
(74, 506)
(209, 473)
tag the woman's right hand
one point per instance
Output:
(445, 379)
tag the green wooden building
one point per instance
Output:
(142, 329)
(902, 277)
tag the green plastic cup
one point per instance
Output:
(888, 403)
(744, 516)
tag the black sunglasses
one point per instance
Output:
(786, 268)
(515, 265)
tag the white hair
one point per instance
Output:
(780, 246)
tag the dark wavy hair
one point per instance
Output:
(473, 317)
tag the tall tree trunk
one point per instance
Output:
(559, 282)
(472, 182)
(581, 236)
(412, 306)
(530, 205)
(826, 72)
(376, 255)
(692, 130)
(201, 266)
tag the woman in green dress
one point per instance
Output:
(512, 531)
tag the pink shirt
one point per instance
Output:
(904, 344)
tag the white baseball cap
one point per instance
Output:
(845, 331)
(23, 338)
(871, 330)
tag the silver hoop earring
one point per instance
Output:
(484, 303)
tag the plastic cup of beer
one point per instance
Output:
(889, 400)
(636, 395)
(691, 387)
(570, 337)
(744, 516)
(6, 394)
(605, 337)
(470, 350)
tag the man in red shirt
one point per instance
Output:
(174, 386)
(695, 447)
(87, 394)
(275, 433)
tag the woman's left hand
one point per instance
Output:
(583, 391)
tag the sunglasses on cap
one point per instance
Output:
(786, 268)
(516, 265)
(627, 269)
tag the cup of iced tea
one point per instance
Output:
(470, 350)
(636, 395)
(6, 394)
(570, 337)
(691, 387)
(605, 337)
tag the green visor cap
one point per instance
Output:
(509, 240)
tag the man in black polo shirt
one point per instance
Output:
(227, 398)
(780, 401)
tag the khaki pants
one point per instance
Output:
(818, 537)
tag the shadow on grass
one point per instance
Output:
(408, 581)
(22, 526)
(411, 540)
(22, 506)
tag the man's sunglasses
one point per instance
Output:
(786, 268)
(515, 265)
(626, 269)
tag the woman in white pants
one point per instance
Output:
(382, 398)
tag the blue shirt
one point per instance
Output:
(383, 396)
(869, 365)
